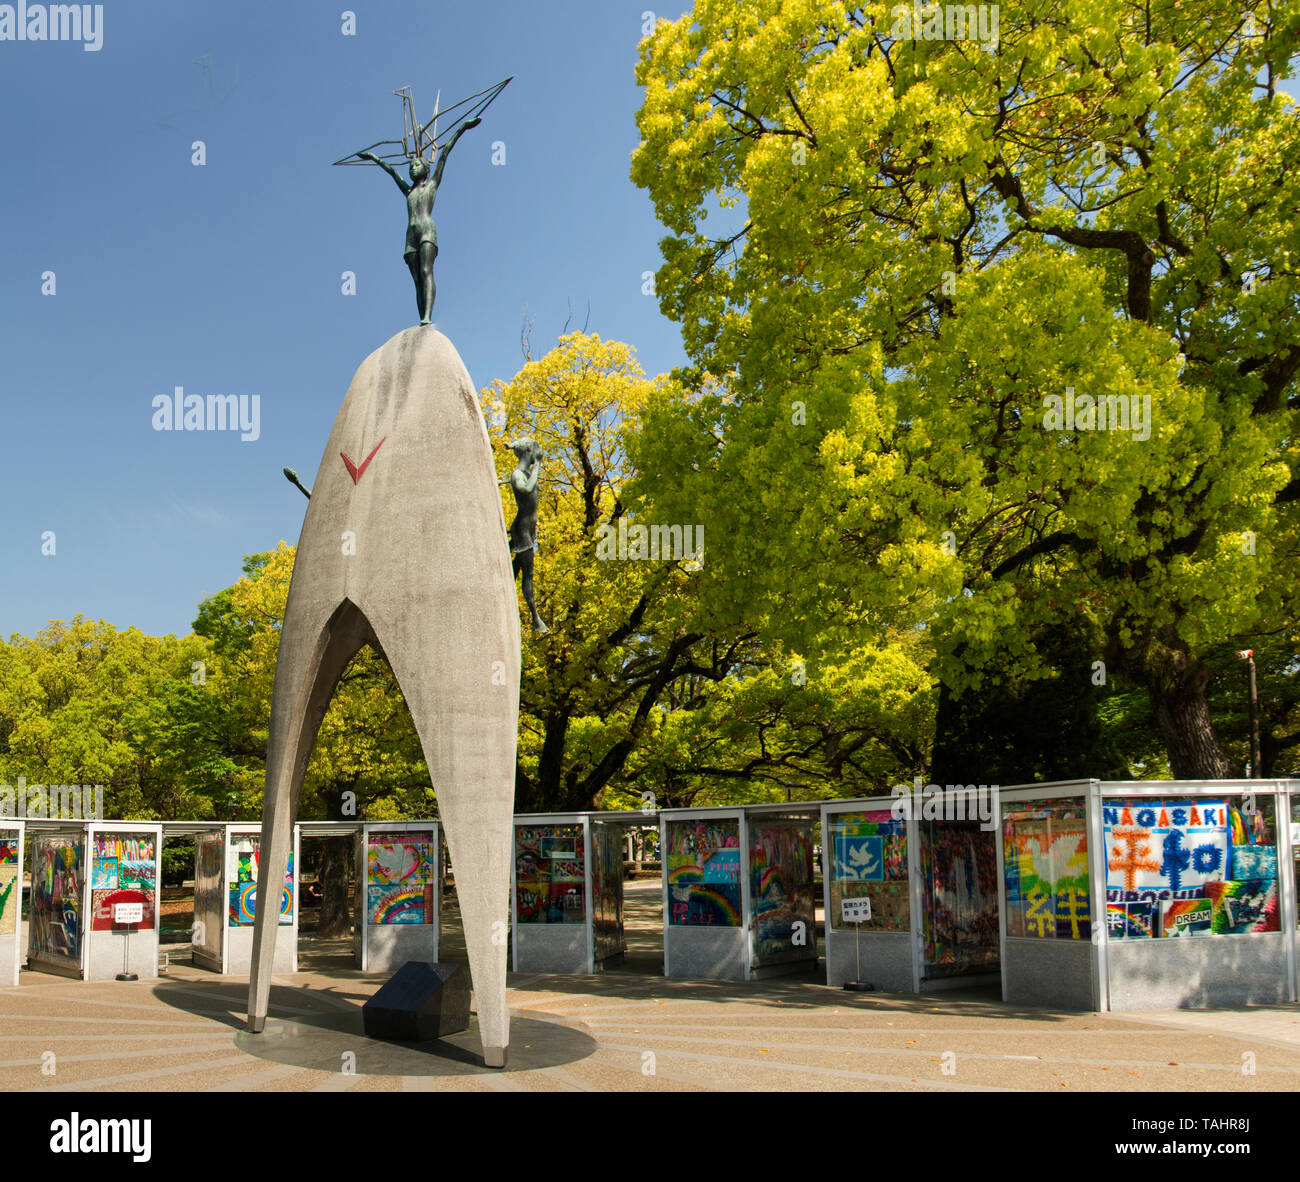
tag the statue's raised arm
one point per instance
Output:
(388, 168)
(445, 152)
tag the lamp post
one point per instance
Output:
(1248, 655)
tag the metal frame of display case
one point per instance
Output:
(12, 953)
(550, 947)
(360, 829)
(101, 954)
(402, 942)
(693, 946)
(550, 951)
(897, 956)
(237, 940)
(685, 936)
(1094, 974)
(1237, 983)
(1036, 971)
(891, 961)
(1100, 973)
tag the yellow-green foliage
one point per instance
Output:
(886, 254)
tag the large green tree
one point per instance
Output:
(84, 703)
(895, 258)
(635, 689)
(622, 632)
(367, 759)
(789, 729)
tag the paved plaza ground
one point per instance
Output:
(627, 1030)
(583, 1033)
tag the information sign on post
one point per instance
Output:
(127, 915)
(856, 912)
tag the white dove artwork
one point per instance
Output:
(865, 860)
(396, 861)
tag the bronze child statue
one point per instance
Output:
(421, 233)
(523, 530)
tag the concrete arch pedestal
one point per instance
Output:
(404, 548)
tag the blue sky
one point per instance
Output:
(225, 279)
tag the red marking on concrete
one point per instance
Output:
(356, 471)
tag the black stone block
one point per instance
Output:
(419, 1002)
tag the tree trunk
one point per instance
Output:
(550, 763)
(334, 875)
(1175, 682)
(1183, 715)
(942, 755)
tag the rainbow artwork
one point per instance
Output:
(401, 873)
(244, 860)
(1046, 871)
(781, 889)
(8, 851)
(243, 904)
(682, 869)
(1130, 921)
(400, 904)
(704, 874)
(1186, 917)
(703, 905)
(1244, 905)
